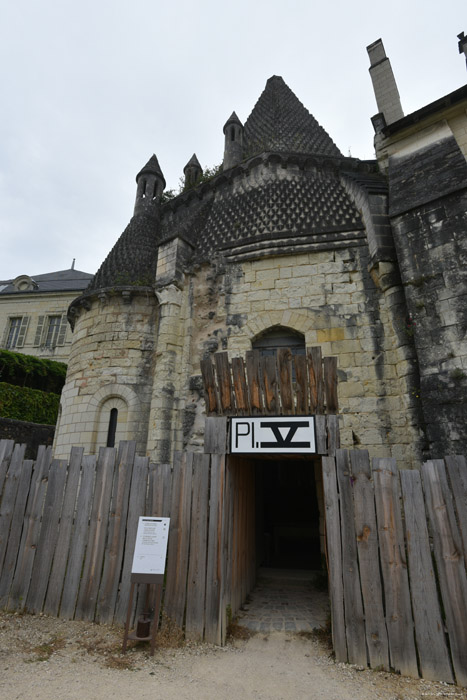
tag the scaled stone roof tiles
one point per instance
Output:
(279, 122)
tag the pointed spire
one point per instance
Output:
(151, 184)
(233, 143)
(279, 122)
(192, 171)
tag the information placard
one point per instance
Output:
(273, 435)
(151, 546)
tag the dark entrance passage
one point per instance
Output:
(287, 514)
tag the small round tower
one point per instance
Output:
(233, 146)
(192, 172)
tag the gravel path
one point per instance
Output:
(43, 658)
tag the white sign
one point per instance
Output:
(284, 435)
(151, 546)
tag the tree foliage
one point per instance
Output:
(32, 372)
(21, 403)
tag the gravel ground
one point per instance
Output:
(43, 658)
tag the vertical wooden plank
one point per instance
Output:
(196, 586)
(113, 553)
(6, 450)
(449, 562)
(11, 555)
(31, 530)
(213, 627)
(315, 380)
(321, 435)
(79, 537)
(159, 491)
(394, 568)
(224, 382)
(435, 664)
(7, 505)
(240, 386)
(353, 606)
(59, 566)
(136, 508)
(456, 466)
(254, 382)
(48, 536)
(368, 557)
(334, 548)
(302, 406)
(92, 569)
(330, 384)
(210, 388)
(215, 435)
(177, 563)
(334, 441)
(269, 383)
(284, 371)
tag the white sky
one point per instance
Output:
(92, 88)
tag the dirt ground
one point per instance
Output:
(43, 658)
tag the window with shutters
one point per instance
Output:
(15, 332)
(51, 331)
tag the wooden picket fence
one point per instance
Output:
(68, 529)
(397, 549)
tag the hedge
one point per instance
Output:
(22, 403)
(32, 372)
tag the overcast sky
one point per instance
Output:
(92, 88)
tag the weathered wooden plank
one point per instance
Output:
(196, 585)
(159, 491)
(449, 562)
(254, 381)
(31, 530)
(6, 450)
(394, 568)
(284, 371)
(240, 386)
(79, 537)
(368, 557)
(136, 508)
(321, 435)
(456, 466)
(59, 566)
(429, 628)
(334, 440)
(269, 383)
(315, 379)
(113, 553)
(210, 388)
(224, 382)
(177, 563)
(7, 505)
(353, 606)
(213, 630)
(301, 378)
(48, 536)
(215, 435)
(92, 569)
(227, 549)
(334, 548)
(330, 384)
(16, 526)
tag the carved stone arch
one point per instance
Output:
(101, 404)
(297, 320)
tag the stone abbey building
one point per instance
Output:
(290, 244)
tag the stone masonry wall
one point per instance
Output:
(332, 300)
(112, 356)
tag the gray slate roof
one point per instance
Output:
(61, 281)
(279, 122)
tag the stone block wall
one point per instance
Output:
(112, 358)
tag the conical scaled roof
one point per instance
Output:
(279, 122)
(152, 166)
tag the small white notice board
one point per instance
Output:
(151, 546)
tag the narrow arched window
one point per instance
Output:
(112, 427)
(232, 133)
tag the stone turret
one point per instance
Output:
(150, 185)
(384, 85)
(233, 149)
(192, 172)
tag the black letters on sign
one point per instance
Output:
(282, 442)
